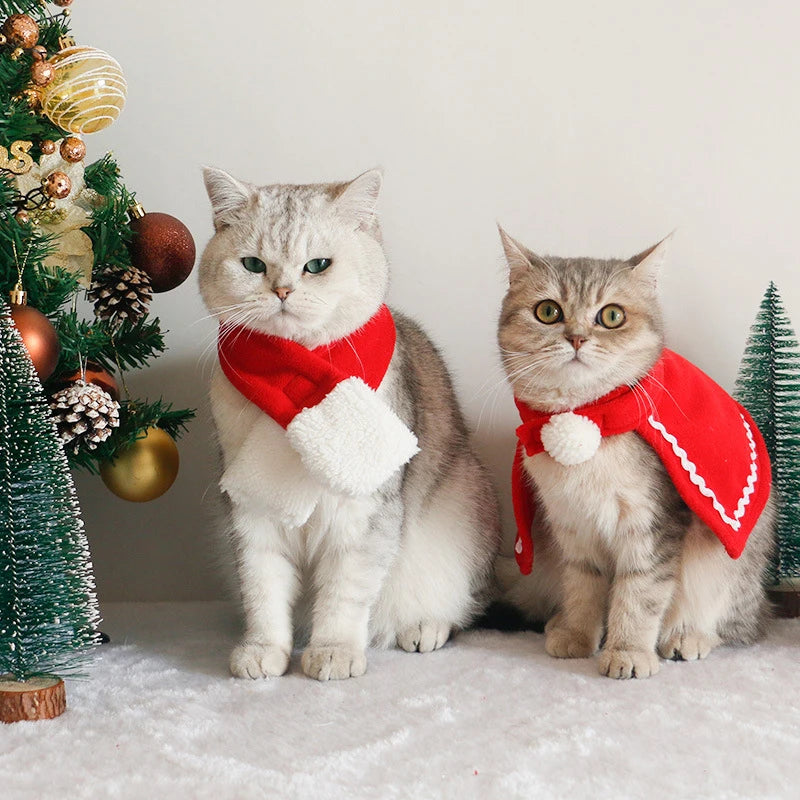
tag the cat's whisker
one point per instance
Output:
(217, 312)
(491, 394)
(667, 392)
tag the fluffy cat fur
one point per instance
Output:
(405, 565)
(621, 563)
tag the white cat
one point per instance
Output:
(332, 501)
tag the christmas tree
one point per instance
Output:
(71, 232)
(768, 385)
(80, 260)
(48, 609)
(47, 601)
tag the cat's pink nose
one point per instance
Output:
(577, 341)
(283, 292)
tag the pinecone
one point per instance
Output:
(85, 413)
(121, 293)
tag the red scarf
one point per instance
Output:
(708, 443)
(282, 377)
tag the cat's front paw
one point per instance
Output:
(628, 663)
(423, 637)
(258, 660)
(561, 642)
(332, 663)
(686, 645)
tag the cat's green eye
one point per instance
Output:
(611, 316)
(253, 264)
(317, 265)
(549, 312)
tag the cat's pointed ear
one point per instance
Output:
(520, 259)
(649, 262)
(228, 196)
(357, 200)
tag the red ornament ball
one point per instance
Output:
(162, 247)
(39, 337)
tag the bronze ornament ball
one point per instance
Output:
(21, 31)
(144, 470)
(39, 337)
(73, 149)
(57, 185)
(42, 72)
(47, 146)
(63, 3)
(94, 373)
(162, 247)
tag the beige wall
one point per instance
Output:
(585, 127)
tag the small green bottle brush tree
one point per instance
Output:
(48, 609)
(69, 233)
(768, 385)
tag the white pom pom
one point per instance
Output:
(570, 438)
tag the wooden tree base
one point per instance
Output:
(37, 698)
(786, 601)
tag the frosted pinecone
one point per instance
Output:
(85, 413)
(121, 293)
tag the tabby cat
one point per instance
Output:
(627, 563)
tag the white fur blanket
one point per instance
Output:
(489, 716)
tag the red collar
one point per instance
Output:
(709, 444)
(282, 377)
(620, 411)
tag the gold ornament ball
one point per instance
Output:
(47, 146)
(42, 73)
(21, 30)
(57, 185)
(87, 92)
(72, 149)
(145, 470)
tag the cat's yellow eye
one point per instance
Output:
(253, 264)
(548, 312)
(611, 316)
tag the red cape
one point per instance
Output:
(708, 443)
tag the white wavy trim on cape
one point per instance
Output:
(700, 482)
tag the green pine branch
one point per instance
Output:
(130, 346)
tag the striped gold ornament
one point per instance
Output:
(87, 92)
